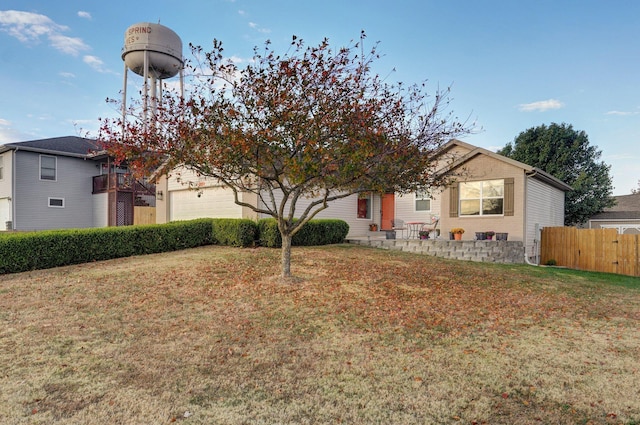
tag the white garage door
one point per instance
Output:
(212, 202)
(5, 213)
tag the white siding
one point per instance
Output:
(5, 181)
(190, 197)
(100, 210)
(5, 190)
(344, 209)
(213, 202)
(406, 208)
(184, 178)
(5, 213)
(347, 209)
(545, 208)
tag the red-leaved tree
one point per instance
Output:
(314, 123)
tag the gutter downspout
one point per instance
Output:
(535, 242)
(526, 258)
(13, 188)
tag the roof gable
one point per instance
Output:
(474, 151)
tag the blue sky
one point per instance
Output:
(512, 65)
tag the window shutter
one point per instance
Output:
(508, 196)
(453, 200)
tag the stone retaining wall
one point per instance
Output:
(488, 251)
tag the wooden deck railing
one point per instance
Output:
(121, 182)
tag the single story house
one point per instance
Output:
(65, 182)
(624, 216)
(491, 193)
(496, 193)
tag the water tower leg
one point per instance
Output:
(181, 83)
(154, 96)
(124, 98)
(145, 90)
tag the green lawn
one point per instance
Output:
(212, 336)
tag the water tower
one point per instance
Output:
(154, 52)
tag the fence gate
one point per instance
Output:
(629, 255)
(602, 250)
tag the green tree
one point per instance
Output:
(566, 154)
(314, 123)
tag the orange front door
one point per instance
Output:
(387, 212)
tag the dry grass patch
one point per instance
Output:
(363, 336)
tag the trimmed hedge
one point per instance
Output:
(21, 252)
(41, 250)
(314, 232)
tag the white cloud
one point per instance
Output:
(27, 26)
(238, 59)
(30, 27)
(67, 74)
(94, 62)
(8, 134)
(241, 12)
(541, 106)
(69, 45)
(622, 113)
(258, 28)
(85, 15)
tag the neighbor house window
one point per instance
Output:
(47, 167)
(364, 205)
(482, 197)
(423, 201)
(1, 166)
(56, 202)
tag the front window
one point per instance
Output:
(422, 202)
(482, 198)
(1, 166)
(364, 205)
(47, 167)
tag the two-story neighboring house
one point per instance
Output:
(64, 182)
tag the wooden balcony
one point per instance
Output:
(117, 182)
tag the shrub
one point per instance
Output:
(234, 232)
(314, 232)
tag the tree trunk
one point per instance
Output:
(286, 255)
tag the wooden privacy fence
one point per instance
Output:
(601, 250)
(144, 215)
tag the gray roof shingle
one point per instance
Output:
(627, 208)
(67, 145)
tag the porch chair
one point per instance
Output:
(431, 228)
(399, 225)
